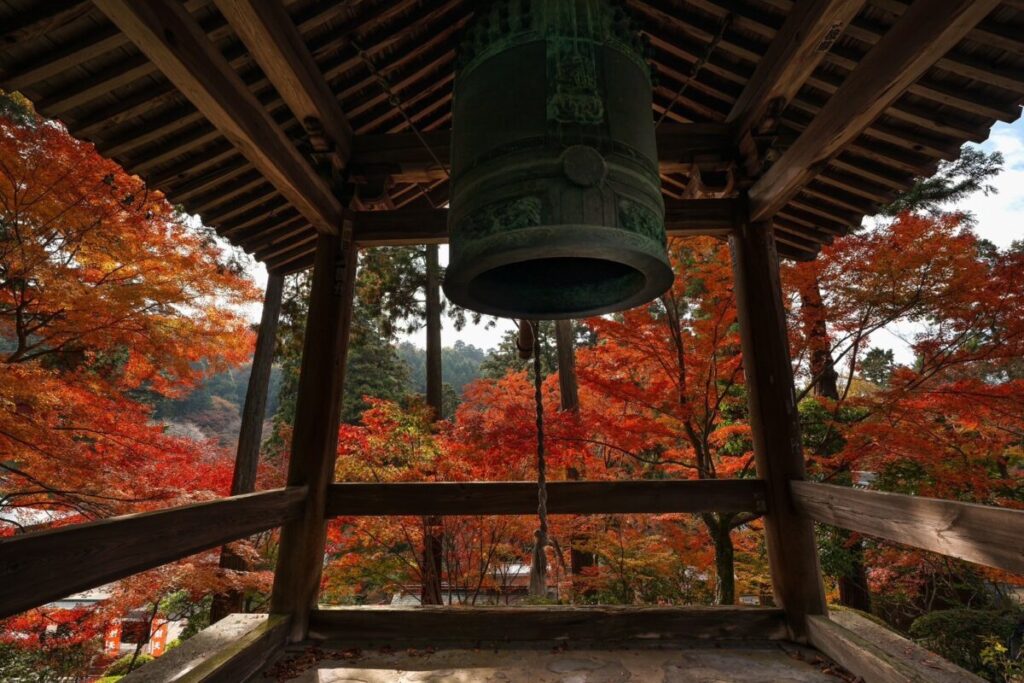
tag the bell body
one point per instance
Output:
(556, 208)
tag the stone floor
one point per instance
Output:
(749, 664)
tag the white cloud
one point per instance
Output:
(1001, 216)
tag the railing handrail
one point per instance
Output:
(641, 496)
(983, 534)
(43, 566)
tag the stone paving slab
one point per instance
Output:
(774, 663)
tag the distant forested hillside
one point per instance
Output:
(214, 408)
(460, 365)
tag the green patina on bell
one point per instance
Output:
(556, 208)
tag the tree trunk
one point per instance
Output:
(433, 313)
(720, 529)
(823, 373)
(568, 385)
(433, 537)
(853, 586)
(250, 435)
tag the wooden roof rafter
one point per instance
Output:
(279, 49)
(768, 60)
(921, 36)
(172, 39)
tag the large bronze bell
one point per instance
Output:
(556, 208)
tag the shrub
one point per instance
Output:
(960, 635)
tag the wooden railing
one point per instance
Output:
(977, 533)
(43, 566)
(564, 497)
(40, 567)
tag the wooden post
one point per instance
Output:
(775, 423)
(433, 536)
(315, 435)
(247, 456)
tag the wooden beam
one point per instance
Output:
(430, 226)
(170, 37)
(796, 50)
(977, 533)
(925, 32)
(283, 263)
(680, 146)
(400, 227)
(315, 433)
(564, 497)
(878, 655)
(34, 568)
(775, 423)
(277, 46)
(551, 624)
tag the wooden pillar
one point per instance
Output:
(250, 435)
(775, 423)
(433, 534)
(315, 434)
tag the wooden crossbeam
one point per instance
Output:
(430, 226)
(564, 497)
(977, 533)
(405, 227)
(925, 32)
(277, 46)
(806, 36)
(551, 624)
(415, 160)
(171, 38)
(40, 567)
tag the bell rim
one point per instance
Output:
(640, 253)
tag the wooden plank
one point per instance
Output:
(878, 655)
(977, 533)
(34, 567)
(775, 423)
(315, 433)
(234, 649)
(564, 497)
(397, 626)
(280, 50)
(170, 37)
(925, 32)
(684, 217)
(400, 227)
(806, 36)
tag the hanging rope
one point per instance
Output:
(539, 567)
